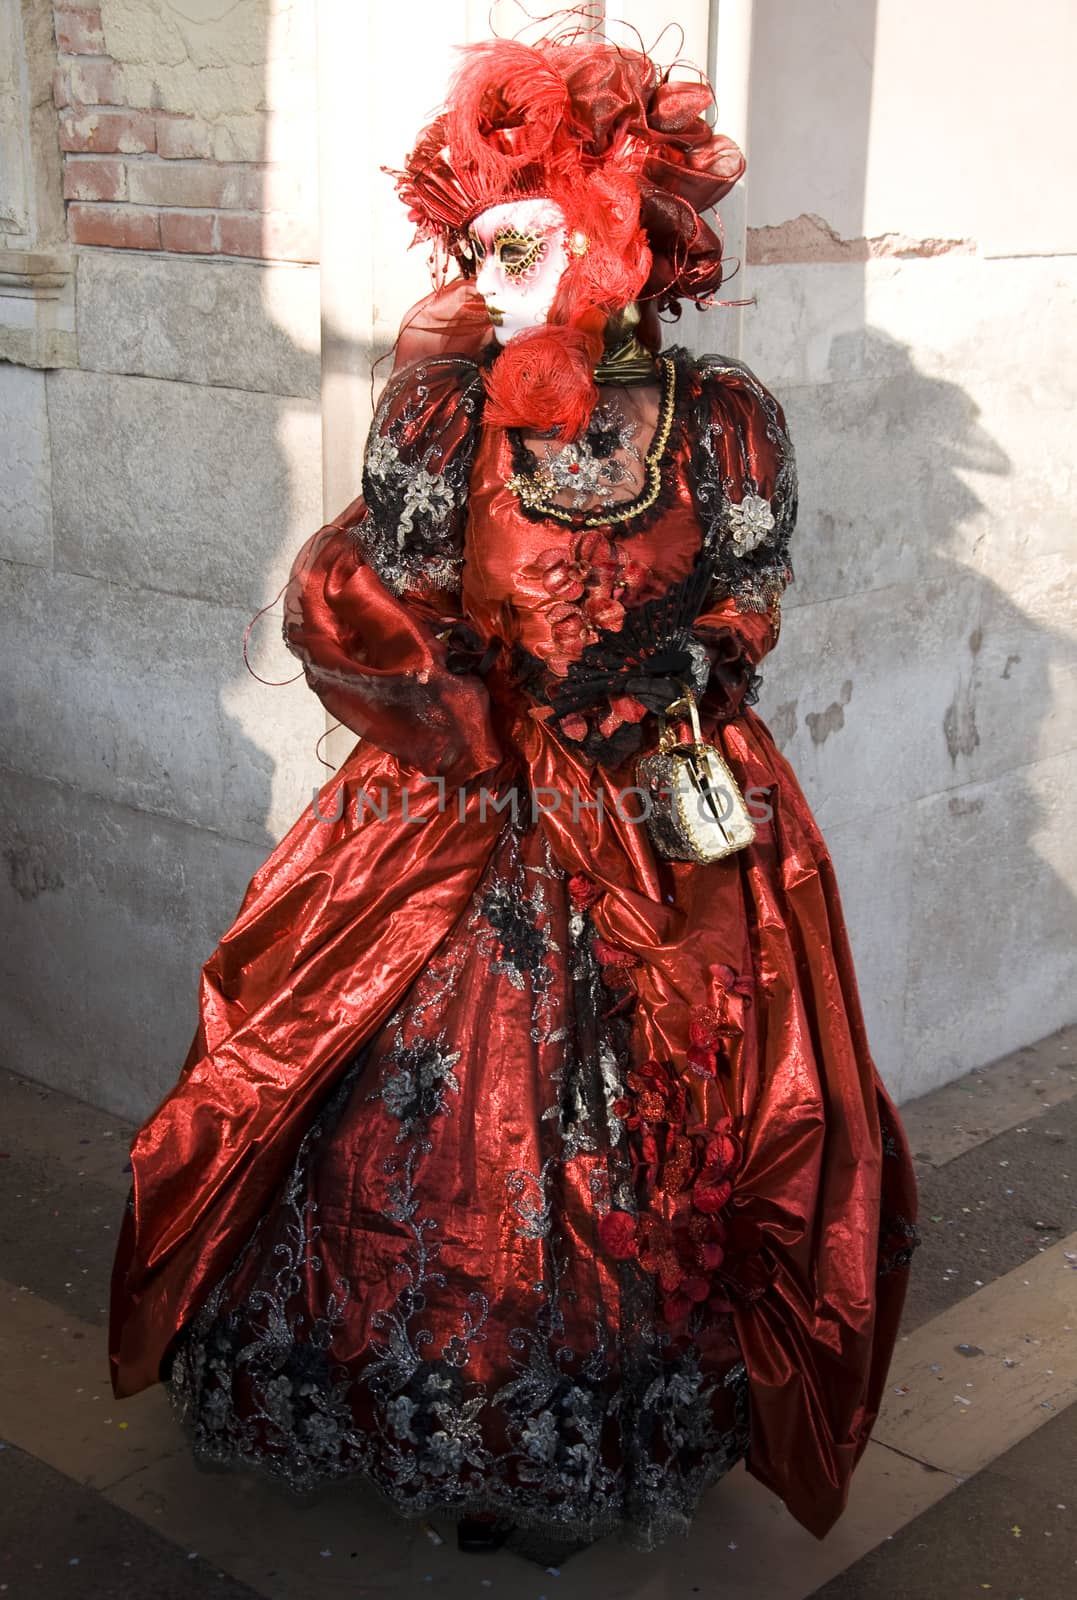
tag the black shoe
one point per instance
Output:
(474, 1535)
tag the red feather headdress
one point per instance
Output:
(627, 154)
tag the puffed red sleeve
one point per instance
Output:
(371, 593)
(746, 487)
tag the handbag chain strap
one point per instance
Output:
(687, 700)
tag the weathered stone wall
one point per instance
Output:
(155, 480)
(173, 411)
(189, 128)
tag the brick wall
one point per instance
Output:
(137, 178)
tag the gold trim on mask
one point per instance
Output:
(534, 246)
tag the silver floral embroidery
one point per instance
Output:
(750, 520)
(747, 534)
(591, 474)
(414, 1088)
(513, 929)
(425, 494)
(414, 487)
(382, 456)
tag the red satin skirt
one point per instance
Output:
(609, 1198)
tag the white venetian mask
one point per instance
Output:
(521, 251)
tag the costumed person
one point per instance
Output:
(529, 1162)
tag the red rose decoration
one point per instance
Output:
(705, 1028)
(612, 955)
(685, 1234)
(583, 891)
(676, 1309)
(559, 575)
(617, 1231)
(705, 1062)
(711, 1197)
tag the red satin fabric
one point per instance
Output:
(341, 923)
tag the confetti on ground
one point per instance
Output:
(432, 1534)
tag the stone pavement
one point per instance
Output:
(968, 1489)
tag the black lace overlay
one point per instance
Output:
(650, 657)
(748, 525)
(417, 472)
(899, 1235)
(648, 507)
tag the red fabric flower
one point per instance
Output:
(711, 1197)
(704, 1028)
(583, 891)
(705, 1062)
(676, 1308)
(570, 627)
(625, 708)
(559, 574)
(613, 955)
(617, 1230)
(603, 611)
(598, 553)
(682, 1176)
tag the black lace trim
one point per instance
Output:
(756, 578)
(898, 1239)
(649, 657)
(899, 1236)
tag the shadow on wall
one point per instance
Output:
(928, 626)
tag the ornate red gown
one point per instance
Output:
(514, 1166)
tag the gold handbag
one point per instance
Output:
(697, 812)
